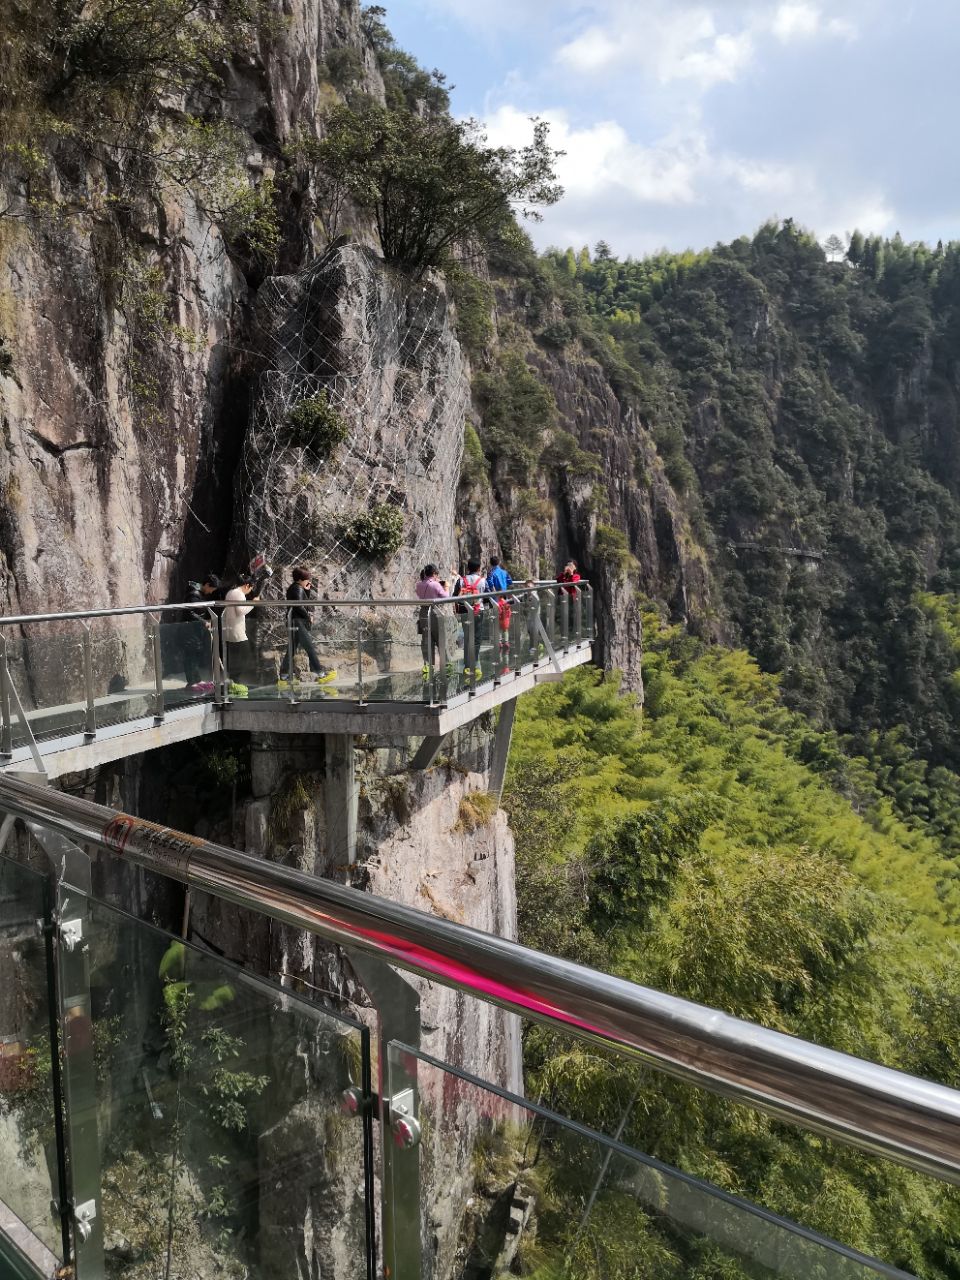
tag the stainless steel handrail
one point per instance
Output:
(21, 619)
(871, 1107)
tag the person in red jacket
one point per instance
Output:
(569, 575)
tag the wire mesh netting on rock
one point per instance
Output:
(352, 459)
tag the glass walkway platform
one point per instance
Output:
(82, 689)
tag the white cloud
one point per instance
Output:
(796, 20)
(662, 41)
(601, 159)
(592, 51)
(640, 196)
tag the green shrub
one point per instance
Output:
(474, 302)
(473, 467)
(343, 67)
(314, 424)
(476, 810)
(556, 335)
(377, 533)
(563, 453)
(610, 547)
(517, 410)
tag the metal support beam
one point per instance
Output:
(548, 645)
(398, 1019)
(25, 726)
(501, 747)
(341, 797)
(427, 752)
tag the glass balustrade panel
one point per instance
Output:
(492, 657)
(393, 654)
(323, 656)
(588, 622)
(440, 636)
(547, 631)
(28, 1147)
(522, 1191)
(123, 668)
(564, 609)
(45, 663)
(228, 1113)
(186, 657)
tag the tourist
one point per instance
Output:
(301, 624)
(195, 645)
(234, 625)
(431, 622)
(569, 575)
(472, 583)
(497, 577)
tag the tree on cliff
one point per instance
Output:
(431, 183)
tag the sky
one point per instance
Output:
(689, 123)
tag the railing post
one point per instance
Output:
(431, 666)
(360, 698)
(564, 617)
(90, 715)
(62, 1204)
(291, 674)
(157, 674)
(470, 648)
(577, 617)
(6, 725)
(397, 1003)
(215, 672)
(70, 930)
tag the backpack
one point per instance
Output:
(470, 586)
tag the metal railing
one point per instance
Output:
(64, 674)
(874, 1108)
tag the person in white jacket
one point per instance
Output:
(239, 663)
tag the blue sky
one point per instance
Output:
(690, 122)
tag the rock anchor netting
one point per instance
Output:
(384, 353)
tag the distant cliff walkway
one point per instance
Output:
(78, 690)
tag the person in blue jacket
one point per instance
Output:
(497, 577)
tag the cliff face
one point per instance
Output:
(125, 385)
(383, 352)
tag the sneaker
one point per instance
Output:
(425, 672)
(477, 673)
(326, 676)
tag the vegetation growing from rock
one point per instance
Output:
(316, 425)
(430, 183)
(114, 82)
(376, 533)
(517, 411)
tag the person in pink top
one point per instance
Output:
(430, 622)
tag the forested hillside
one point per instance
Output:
(692, 849)
(808, 411)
